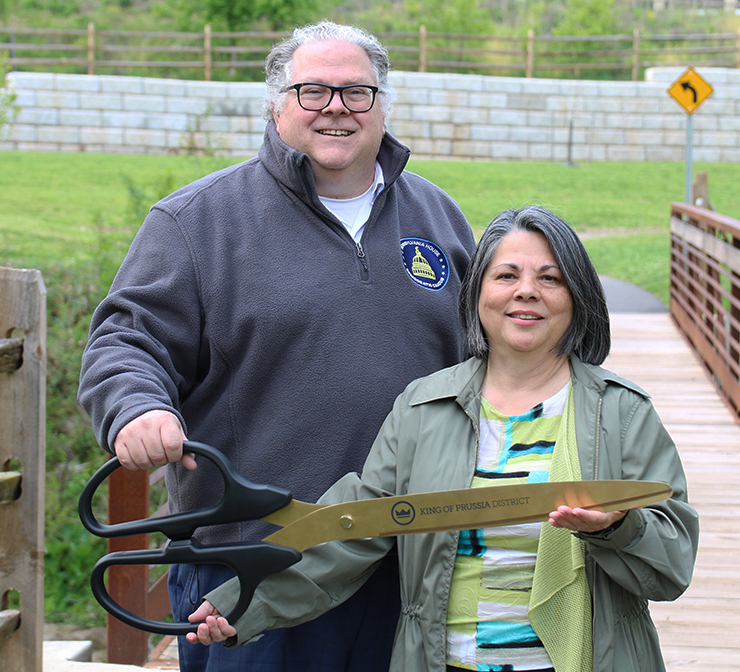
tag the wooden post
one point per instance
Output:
(207, 55)
(422, 48)
(700, 192)
(635, 54)
(128, 585)
(737, 55)
(91, 48)
(530, 54)
(23, 451)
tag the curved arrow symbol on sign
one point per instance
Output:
(686, 86)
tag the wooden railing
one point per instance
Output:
(221, 55)
(22, 468)
(705, 291)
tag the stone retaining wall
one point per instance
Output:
(441, 116)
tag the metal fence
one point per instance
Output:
(240, 55)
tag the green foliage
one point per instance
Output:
(231, 14)
(71, 550)
(492, 18)
(454, 16)
(574, 17)
(73, 292)
(587, 17)
(8, 108)
(451, 16)
(240, 15)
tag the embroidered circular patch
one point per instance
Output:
(425, 263)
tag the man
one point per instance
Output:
(274, 310)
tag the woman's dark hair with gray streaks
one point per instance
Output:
(588, 336)
(279, 62)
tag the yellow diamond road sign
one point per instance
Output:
(690, 90)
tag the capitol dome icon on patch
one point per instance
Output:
(425, 263)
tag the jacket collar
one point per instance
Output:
(293, 168)
(597, 378)
(462, 382)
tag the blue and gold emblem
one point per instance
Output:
(403, 513)
(425, 263)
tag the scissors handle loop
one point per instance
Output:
(241, 500)
(252, 562)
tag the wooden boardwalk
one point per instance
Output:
(700, 630)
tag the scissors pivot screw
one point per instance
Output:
(346, 522)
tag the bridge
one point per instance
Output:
(687, 360)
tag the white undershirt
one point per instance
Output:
(354, 212)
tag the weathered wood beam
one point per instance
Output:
(10, 486)
(11, 354)
(10, 621)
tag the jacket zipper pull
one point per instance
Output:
(361, 256)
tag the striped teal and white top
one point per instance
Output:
(487, 618)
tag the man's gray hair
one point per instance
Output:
(279, 62)
(588, 335)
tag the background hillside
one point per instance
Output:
(482, 17)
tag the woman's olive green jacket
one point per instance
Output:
(429, 442)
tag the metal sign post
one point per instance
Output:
(690, 90)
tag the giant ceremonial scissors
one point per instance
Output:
(305, 525)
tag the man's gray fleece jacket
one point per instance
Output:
(246, 308)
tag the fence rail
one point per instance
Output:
(220, 55)
(705, 291)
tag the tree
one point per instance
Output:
(587, 17)
(235, 15)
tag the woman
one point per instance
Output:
(532, 404)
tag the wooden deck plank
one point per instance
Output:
(700, 630)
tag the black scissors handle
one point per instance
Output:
(241, 500)
(252, 562)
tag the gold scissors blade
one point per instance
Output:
(454, 510)
(291, 512)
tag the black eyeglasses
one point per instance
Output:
(316, 97)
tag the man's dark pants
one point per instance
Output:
(356, 636)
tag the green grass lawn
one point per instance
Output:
(62, 208)
(55, 205)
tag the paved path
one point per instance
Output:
(622, 297)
